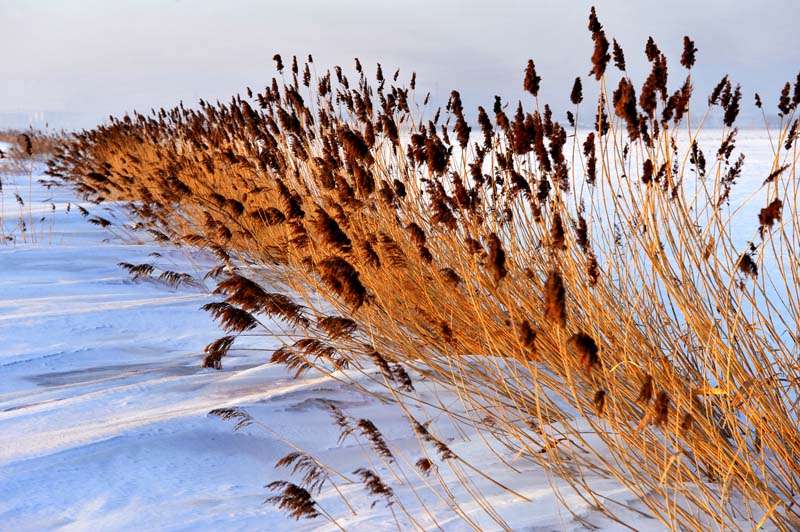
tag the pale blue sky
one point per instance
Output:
(110, 56)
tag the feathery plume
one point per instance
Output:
(278, 62)
(496, 262)
(587, 351)
(314, 475)
(216, 350)
(293, 499)
(599, 402)
(557, 234)
(646, 390)
(375, 486)
(661, 408)
(601, 56)
(769, 215)
(343, 279)
(337, 327)
(526, 336)
(619, 56)
(555, 299)
(531, 83)
(242, 417)
(576, 96)
(231, 318)
(425, 466)
(774, 174)
(371, 432)
(785, 102)
(689, 51)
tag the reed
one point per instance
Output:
(22, 158)
(538, 274)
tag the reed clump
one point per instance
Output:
(20, 160)
(31, 143)
(538, 270)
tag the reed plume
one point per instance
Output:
(294, 500)
(555, 299)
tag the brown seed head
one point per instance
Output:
(687, 422)
(646, 390)
(337, 327)
(379, 445)
(557, 235)
(27, 144)
(661, 408)
(647, 172)
(527, 336)
(496, 262)
(278, 62)
(330, 233)
(747, 265)
(531, 83)
(713, 99)
(486, 127)
(601, 57)
(689, 51)
(425, 466)
(587, 350)
(576, 96)
(651, 50)
(599, 401)
(375, 486)
(796, 94)
(340, 276)
(769, 215)
(732, 109)
(296, 501)
(785, 102)
(594, 23)
(624, 100)
(792, 134)
(555, 308)
(619, 56)
(774, 174)
(582, 234)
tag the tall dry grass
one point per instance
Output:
(24, 151)
(550, 277)
(31, 143)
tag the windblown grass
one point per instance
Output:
(31, 143)
(25, 151)
(539, 271)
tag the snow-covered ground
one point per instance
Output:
(104, 407)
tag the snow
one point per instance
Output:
(104, 407)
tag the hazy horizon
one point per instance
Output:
(88, 59)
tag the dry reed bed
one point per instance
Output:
(31, 143)
(25, 151)
(537, 272)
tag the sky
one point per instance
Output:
(92, 58)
